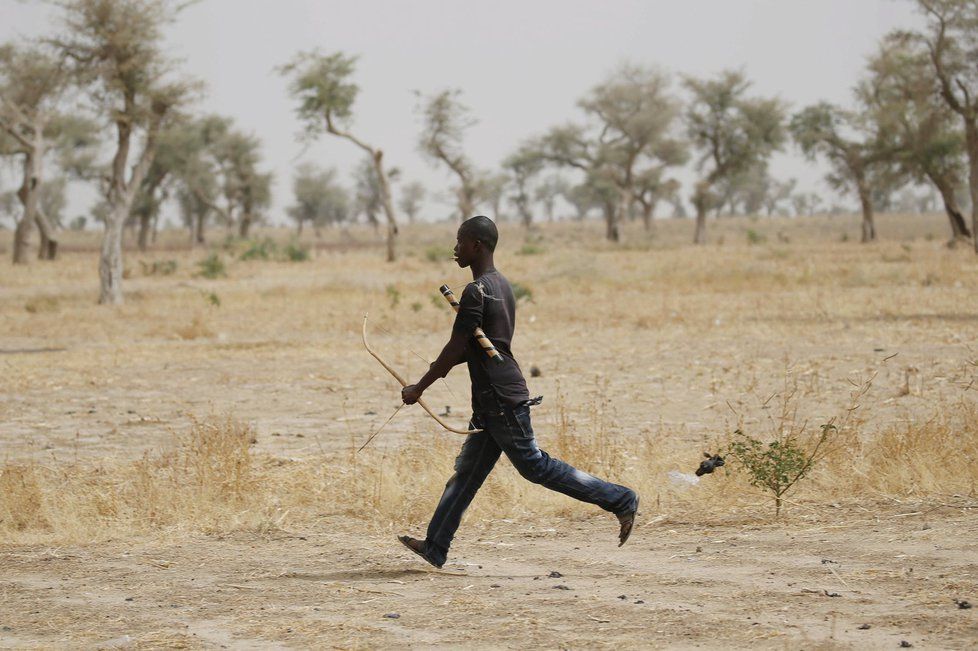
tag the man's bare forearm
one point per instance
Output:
(453, 353)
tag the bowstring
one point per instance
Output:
(419, 356)
(381, 427)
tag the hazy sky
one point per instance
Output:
(521, 65)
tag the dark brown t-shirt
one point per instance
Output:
(488, 303)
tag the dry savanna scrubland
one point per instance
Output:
(181, 471)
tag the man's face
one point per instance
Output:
(466, 248)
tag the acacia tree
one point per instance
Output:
(33, 83)
(491, 189)
(951, 41)
(369, 191)
(521, 166)
(733, 133)
(445, 122)
(115, 45)
(854, 148)
(650, 189)
(548, 191)
(901, 97)
(412, 196)
(628, 134)
(321, 84)
(777, 193)
(319, 198)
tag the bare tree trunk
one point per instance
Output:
(145, 219)
(386, 203)
(866, 202)
(155, 229)
(28, 195)
(611, 221)
(48, 249)
(110, 261)
(22, 236)
(647, 210)
(971, 138)
(699, 236)
(199, 228)
(959, 229)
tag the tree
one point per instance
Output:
(778, 192)
(548, 191)
(445, 122)
(951, 40)
(733, 133)
(521, 166)
(852, 145)
(368, 190)
(33, 83)
(412, 196)
(319, 198)
(627, 134)
(584, 197)
(491, 189)
(115, 45)
(650, 189)
(321, 84)
(175, 146)
(902, 96)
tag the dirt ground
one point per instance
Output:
(836, 578)
(649, 336)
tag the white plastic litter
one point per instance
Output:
(683, 478)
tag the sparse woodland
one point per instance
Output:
(181, 407)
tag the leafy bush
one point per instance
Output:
(438, 254)
(212, 267)
(780, 464)
(259, 250)
(294, 252)
(530, 249)
(521, 292)
(753, 237)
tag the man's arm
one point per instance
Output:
(453, 353)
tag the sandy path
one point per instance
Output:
(677, 584)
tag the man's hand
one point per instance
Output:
(411, 394)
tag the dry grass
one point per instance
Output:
(646, 350)
(212, 481)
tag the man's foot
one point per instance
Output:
(627, 521)
(419, 547)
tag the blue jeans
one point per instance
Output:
(508, 430)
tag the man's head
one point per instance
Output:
(476, 239)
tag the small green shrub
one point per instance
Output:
(296, 253)
(521, 292)
(212, 267)
(438, 254)
(259, 250)
(779, 464)
(530, 249)
(393, 295)
(753, 237)
(416, 306)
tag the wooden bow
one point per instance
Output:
(397, 376)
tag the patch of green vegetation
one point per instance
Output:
(521, 292)
(159, 267)
(263, 249)
(393, 295)
(295, 252)
(437, 254)
(753, 237)
(212, 267)
(780, 464)
(530, 249)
